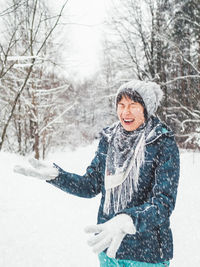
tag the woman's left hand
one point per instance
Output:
(110, 234)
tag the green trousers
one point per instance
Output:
(105, 261)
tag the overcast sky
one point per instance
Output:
(85, 34)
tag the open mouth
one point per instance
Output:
(128, 121)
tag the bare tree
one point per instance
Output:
(159, 41)
(30, 28)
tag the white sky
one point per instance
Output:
(86, 16)
(85, 35)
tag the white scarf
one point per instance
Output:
(125, 157)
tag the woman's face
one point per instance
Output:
(130, 114)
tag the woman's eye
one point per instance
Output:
(133, 105)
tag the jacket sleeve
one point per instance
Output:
(162, 198)
(88, 185)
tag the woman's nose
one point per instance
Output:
(126, 110)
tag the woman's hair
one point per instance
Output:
(133, 95)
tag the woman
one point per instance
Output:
(136, 169)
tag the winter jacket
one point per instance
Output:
(152, 204)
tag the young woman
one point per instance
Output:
(136, 169)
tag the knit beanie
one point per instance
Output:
(150, 92)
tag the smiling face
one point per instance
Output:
(130, 114)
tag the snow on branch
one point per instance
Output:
(193, 113)
(19, 58)
(181, 78)
(58, 117)
(53, 90)
(22, 65)
(188, 121)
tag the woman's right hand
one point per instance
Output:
(38, 169)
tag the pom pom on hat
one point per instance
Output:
(150, 92)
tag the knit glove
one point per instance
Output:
(110, 234)
(38, 169)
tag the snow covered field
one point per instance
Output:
(42, 226)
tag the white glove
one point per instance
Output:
(110, 234)
(41, 170)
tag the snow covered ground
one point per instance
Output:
(42, 226)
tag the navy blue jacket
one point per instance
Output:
(151, 205)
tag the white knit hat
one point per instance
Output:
(150, 92)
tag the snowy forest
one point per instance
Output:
(50, 111)
(42, 108)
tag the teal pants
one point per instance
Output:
(105, 261)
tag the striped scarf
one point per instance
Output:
(125, 157)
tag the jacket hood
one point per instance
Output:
(159, 129)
